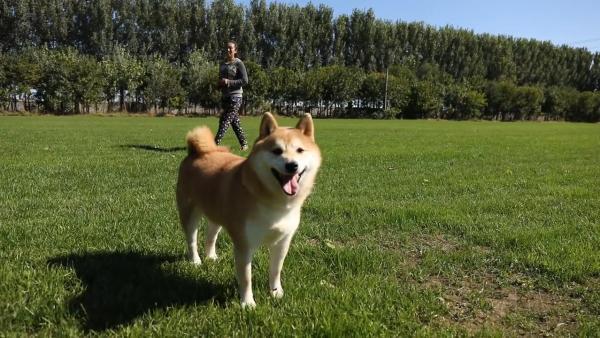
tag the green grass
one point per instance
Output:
(414, 228)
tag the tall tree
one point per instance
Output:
(200, 80)
(225, 21)
(197, 25)
(161, 86)
(123, 74)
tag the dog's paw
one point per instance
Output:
(277, 293)
(249, 305)
(196, 260)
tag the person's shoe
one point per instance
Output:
(244, 148)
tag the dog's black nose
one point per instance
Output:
(291, 167)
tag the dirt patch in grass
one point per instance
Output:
(477, 297)
(485, 300)
(419, 245)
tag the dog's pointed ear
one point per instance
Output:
(306, 126)
(267, 125)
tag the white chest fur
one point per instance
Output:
(269, 226)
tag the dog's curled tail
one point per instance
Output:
(200, 140)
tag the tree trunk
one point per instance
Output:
(122, 106)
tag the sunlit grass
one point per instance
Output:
(90, 241)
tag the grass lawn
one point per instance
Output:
(414, 228)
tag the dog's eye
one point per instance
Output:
(277, 151)
(300, 150)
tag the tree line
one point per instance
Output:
(75, 56)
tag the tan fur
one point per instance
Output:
(200, 140)
(245, 197)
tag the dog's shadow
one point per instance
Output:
(121, 286)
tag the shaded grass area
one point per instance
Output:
(414, 228)
(121, 286)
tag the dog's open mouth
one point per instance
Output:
(289, 183)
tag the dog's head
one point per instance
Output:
(286, 160)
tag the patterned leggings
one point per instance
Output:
(231, 106)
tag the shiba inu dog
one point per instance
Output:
(256, 199)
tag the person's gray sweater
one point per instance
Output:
(235, 72)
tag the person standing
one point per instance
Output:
(232, 76)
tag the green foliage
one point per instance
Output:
(333, 85)
(290, 36)
(398, 93)
(123, 74)
(509, 102)
(255, 93)
(87, 82)
(528, 101)
(586, 107)
(433, 73)
(69, 82)
(200, 80)
(19, 75)
(425, 100)
(287, 88)
(463, 102)
(224, 21)
(304, 51)
(4, 86)
(405, 71)
(285, 84)
(500, 63)
(162, 84)
(500, 98)
(372, 89)
(558, 101)
(66, 81)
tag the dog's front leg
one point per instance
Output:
(277, 252)
(243, 267)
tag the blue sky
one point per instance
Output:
(575, 23)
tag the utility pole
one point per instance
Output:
(386, 86)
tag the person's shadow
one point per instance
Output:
(154, 148)
(121, 286)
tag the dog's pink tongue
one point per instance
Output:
(291, 185)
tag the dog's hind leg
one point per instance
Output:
(210, 248)
(189, 222)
